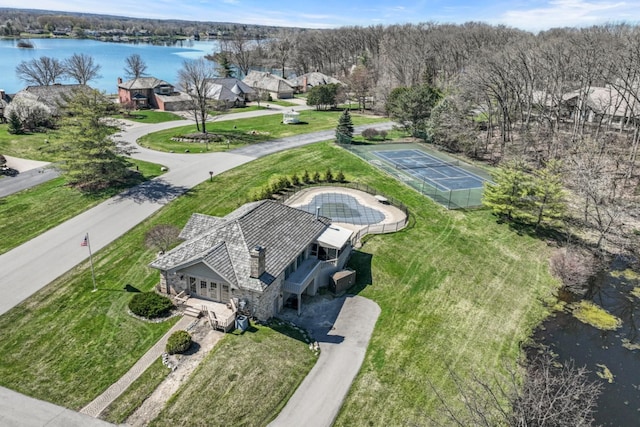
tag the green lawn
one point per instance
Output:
(249, 131)
(241, 391)
(150, 116)
(457, 290)
(238, 110)
(31, 212)
(281, 103)
(29, 146)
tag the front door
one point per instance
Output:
(214, 290)
(224, 295)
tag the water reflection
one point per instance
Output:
(619, 404)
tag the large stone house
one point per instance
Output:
(150, 92)
(261, 81)
(261, 254)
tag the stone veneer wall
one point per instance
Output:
(260, 304)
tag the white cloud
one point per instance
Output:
(570, 13)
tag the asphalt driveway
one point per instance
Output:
(343, 344)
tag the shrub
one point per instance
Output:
(295, 179)
(178, 342)
(150, 305)
(382, 134)
(328, 176)
(370, 133)
(340, 177)
(305, 177)
(316, 176)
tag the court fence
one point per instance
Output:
(356, 239)
(450, 199)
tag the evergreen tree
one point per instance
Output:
(344, 131)
(548, 194)
(509, 196)
(224, 66)
(92, 160)
(15, 124)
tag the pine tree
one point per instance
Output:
(344, 131)
(15, 124)
(224, 66)
(548, 194)
(92, 160)
(509, 196)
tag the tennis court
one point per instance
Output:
(445, 179)
(442, 175)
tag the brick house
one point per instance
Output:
(150, 92)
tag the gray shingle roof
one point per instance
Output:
(314, 79)
(231, 82)
(143, 83)
(284, 231)
(53, 96)
(198, 224)
(267, 81)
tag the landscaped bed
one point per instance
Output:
(458, 292)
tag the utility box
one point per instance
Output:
(342, 280)
(242, 323)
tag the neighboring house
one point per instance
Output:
(243, 92)
(307, 81)
(53, 96)
(261, 81)
(602, 103)
(150, 92)
(260, 254)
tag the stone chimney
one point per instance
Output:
(119, 80)
(257, 262)
(304, 83)
(1, 93)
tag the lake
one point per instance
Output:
(617, 290)
(163, 61)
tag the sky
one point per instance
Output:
(532, 15)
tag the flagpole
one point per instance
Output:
(93, 274)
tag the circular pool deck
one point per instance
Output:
(349, 208)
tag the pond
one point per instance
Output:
(617, 290)
(163, 60)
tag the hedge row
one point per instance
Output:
(281, 183)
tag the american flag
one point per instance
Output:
(85, 241)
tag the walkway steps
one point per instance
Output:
(192, 312)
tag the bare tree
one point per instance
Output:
(242, 51)
(134, 66)
(162, 237)
(573, 266)
(81, 68)
(194, 79)
(43, 71)
(551, 395)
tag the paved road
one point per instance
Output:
(17, 410)
(24, 180)
(319, 397)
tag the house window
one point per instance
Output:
(192, 284)
(314, 249)
(213, 286)
(203, 284)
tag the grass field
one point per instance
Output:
(31, 212)
(249, 131)
(457, 291)
(232, 387)
(150, 116)
(29, 146)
